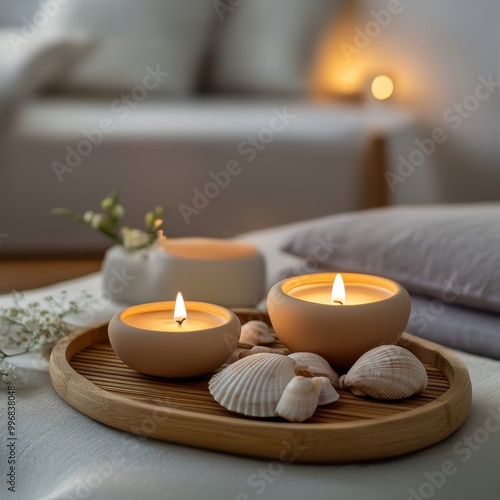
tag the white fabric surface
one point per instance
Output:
(131, 35)
(66, 455)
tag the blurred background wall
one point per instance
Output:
(234, 64)
(437, 53)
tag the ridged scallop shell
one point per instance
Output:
(328, 393)
(256, 349)
(386, 372)
(255, 333)
(253, 385)
(299, 399)
(318, 366)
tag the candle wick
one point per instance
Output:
(338, 302)
(180, 321)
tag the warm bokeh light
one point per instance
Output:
(338, 290)
(382, 87)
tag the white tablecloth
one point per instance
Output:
(62, 454)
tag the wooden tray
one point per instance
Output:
(88, 375)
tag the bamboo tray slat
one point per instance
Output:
(89, 376)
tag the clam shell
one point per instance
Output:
(386, 372)
(328, 393)
(318, 366)
(299, 399)
(255, 333)
(253, 385)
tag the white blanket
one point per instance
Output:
(63, 454)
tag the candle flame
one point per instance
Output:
(338, 290)
(180, 314)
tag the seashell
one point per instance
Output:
(318, 366)
(328, 393)
(299, 399)
(256, 332)
(253, 385)
(386, 372)
(256, 349)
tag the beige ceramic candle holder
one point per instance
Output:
(177, 352)
(339, 333)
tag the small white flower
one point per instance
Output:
(118, 211)
(96, 221)
(87, 216)
(134, 238)
(106, 203)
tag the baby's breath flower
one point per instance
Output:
(37, 324)
(8, 375)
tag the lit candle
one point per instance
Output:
(339, 294)
(176, 321)
(319, 313)
(178, 339)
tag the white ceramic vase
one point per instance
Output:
(230, 274)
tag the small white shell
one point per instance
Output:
(328, 393)
(253, 385)
(300, 399)
(255, 333)
(318, 366)
(256, 349)
(386, 372)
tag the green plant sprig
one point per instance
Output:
(108, 223)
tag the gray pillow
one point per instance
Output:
(450, 252)
(269, 45)
(168, 36)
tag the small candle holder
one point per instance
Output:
(149, 340)
(308, 316)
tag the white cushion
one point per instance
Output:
(269, 45)
(171, 35)
(28, 65)
(450, 252)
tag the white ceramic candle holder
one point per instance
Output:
(227, 273)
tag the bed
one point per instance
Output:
(64, 454)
